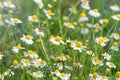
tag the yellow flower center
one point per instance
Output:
(117, 35)
(118, 16)
(63, 74)
(103, 77)
(57, 71)
(111, 64)
(61, 56)
(16, 20)
(105, 21)
(78, 64)
(9, 3)
(95, 75)
(69, 24)
(115, 5)
(18, 46)
(38, 72)
(9, 70)
(0, 3)
(42, 62)
(79, 44)
(115, 44)
(34, 17)
(118, 74)
(101, 40)
(57, 38)
(83, 14)
(97, 24)
(51, 36)
(60, 63)
(15, 62)
(27, 60)
(49, 12)
(95, 10)
(28, 37)
(40, 30)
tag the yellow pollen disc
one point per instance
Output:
(15, 62)
(27, 60)
(79, 44)
(57, 38)
(18, 46)
(101, 40)
(63, 74)
(34, 17)
(83, 14)
(69, 24)
(42, 62)
(9, 70)
(105, 21)
(16, 20)
(103, 77)
(111, 64)
(57, 71)
(115, 5)
(30, 52)
(40, 30)
(115, 44)
(117, 35)
(118, 16)
(95, 10)
(38, 72)
(118, 74)
(9, 3)
(61, 56)
(49, 12)
(97, 24)
(95, 75)
(0, 3)
(60, 63)
(28, 37)
(51, 36)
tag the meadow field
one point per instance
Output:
(59, 40)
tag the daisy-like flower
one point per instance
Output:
(115, 7)
(85, 6)
(56, 40)
(101, 40)
(39, 3)
(9, 72)
(104, 21)
(115, 46)
(116, 17)
(1, 56)
(96, 61)
(78, 46)
(97, 26)
(83, 17)
(90, 53)
(37, 74)
(117, 75)
(9, 4)
(116, 36)
(84, 1)
(106, 56)
(48, 13)
(110, 64)
(95, 76)
(78, 64)
(33, 18)
(104, 78)
(64, 76)
(17, 48)
(1, 76)
(30, 53)
(1, 5)
(39, 32)
(60, 65)
(56, 72)
(61, 57)
(94, 13)
(27, 39)
(73, 10)
(69, 25)
(15, 64)
(25, 63)
(15, 21)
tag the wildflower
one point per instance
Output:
(110, 64)
(83, 17)
(9, 4)
(60, 65)
(30, 53)
(64, 76)
(25, 62)
(94, 13)
(1, 56)
(56, 72)
(106, 56)
(9, 72)
(85, 6)
(17, 48)
(117, 75)
(116, 36)
(33, 18)
(104, 78)
(73, 10)
(15, 64)
(15, 21)
(39, 3)
(61, 57)
(96, 61)
(104, 21)
(49, 5)
(101, 40)
(1, 5)
(115, 46)
(78, 46)
(27, 39)
(115, 7)
(37, 74)
(48, 13)
(78, 64)
(39, 32)
(84, 1)
(56, 40)
(90, 53)
(95, 76)
(69, 25)
(116, 17)
(1, 76)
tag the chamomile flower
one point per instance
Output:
(69, 25)
(78, 46)
(60, 65)
(115, 7)
(73, 10)
(9, 4)
(95, 76)
(48, 13)
(83, 17)
(116, 36)
(104, 78)
(101, 41)
(106, 56)
(27, 39)
(33, 18)
(85, 6)
(1, 56)
(39, 32)
(115, 46)
(64, 76)
(94, 13)
(17, 48)
(104, 21)
(90, 52)
(39, 3)
(116, 17)
(117, 75)
(78, 64)
(110, 64)
(37, 74)
(25, 63)
(15, 64)
(9, 72)
(61, 57)
(30, 53)
(96, 61)
(84, 31)
(1, 5)
(56, 40)
(84, 1)
(1, 76)
(15, 21)
(56, 72)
